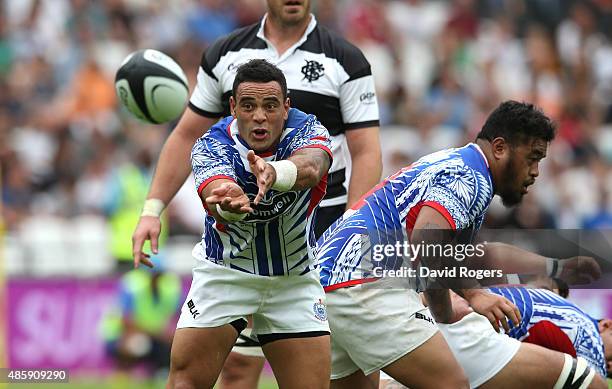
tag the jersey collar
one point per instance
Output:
(482, 154)
(309, 29)
(486, 163)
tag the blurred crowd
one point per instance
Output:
(71, 161)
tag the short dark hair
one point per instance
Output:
(259, 70)
(516, 123)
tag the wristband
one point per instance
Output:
(230, 216)
(152, 207)
(286, 175)
(554, 267)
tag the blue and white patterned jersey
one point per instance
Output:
(536, 305)
(277, 238)
(456, 182)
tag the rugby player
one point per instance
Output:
(260, 174)
(389, 329)
(328, 77)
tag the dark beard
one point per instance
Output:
(510, 197)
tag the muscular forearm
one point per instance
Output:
(311, 167)
(365, 174)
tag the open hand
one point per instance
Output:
(264, 172)
(230, 197)
(494, 307)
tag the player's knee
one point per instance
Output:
(238, 368)
(178, 363)
(576, 373)
(180, 377)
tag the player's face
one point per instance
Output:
(522, 168)
(261, 112)
(289, 12)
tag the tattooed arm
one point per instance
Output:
(432, 228)
(312, 164)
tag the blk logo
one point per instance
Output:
(312, 71)
(419, 315)
(194, 312)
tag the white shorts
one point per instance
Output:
(279, 304)
(373, 327)
(481, 352)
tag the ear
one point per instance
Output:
(232, 106)
(604, 324)
(287, 105)
(500, 148)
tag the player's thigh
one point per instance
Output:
(198, 354)
(241, 371)
(302, 362)
(357, 380)
(533, 367)
(215, 311)
(431, 365)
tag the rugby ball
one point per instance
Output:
(152, 86)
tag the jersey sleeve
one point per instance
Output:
(312, 135)
(456, 195)
(358, 101)
(206, 97)
(211, 160)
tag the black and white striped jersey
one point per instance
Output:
(326, 76)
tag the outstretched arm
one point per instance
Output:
(515, 260)
(226, 201)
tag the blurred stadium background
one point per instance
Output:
(75, 169)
